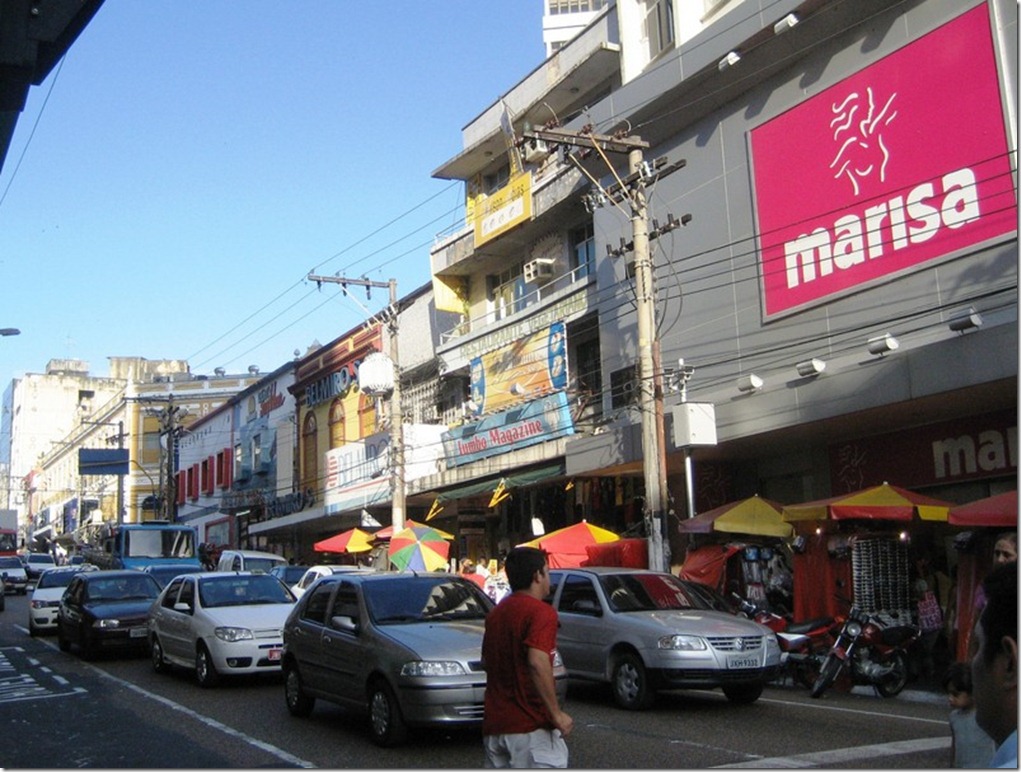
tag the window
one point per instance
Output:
(659, 26)
(623, 388)
(583, 251)
(310, 453)
(506, 291)
(151, 452)
(495, 181)
(366, 416)
(337, 436)
(256, 452)
(579, 596)
(318, 602)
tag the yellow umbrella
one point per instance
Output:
(354, 540)
(567, 546)
(880, 502)
(755, 516)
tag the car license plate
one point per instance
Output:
(274, 655)
(743, 662)
(138, 632)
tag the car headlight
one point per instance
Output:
(682, 643)
(772, 642)
(432, 669)
(106, 623)
(233, 634)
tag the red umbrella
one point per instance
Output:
(999, 511)
(354, 540)
(880, 502)
(567, 547)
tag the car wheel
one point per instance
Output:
(743, 694)
(205, 670)
(156, 653)
(299, 703)
(631, 687)
(385, 719)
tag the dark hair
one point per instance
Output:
(958, 678)
(521, 565)
(999, 617)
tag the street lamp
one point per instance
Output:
(5, 331)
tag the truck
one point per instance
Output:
(137, 545)
(8, 532)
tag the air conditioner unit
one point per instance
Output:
(536, 151)
(539, 270)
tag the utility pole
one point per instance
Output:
(650, 373)
(397, 489)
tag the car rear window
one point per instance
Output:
(241, 590)
(10, 563)
(54, 579)
(424, 599)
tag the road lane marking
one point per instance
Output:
(833, 708)
(20, 679)
(840, 756)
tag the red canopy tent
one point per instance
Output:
(998, 511)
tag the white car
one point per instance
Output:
(15, 578)
(45, 600)
(220, 623)
(315, 572)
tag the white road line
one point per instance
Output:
(822, 706)
(843, 755)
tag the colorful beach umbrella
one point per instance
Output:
(418, 548)
(880, 502)
(353, 540)
(384, 533)
(998, 511)
(755, 516)
(568, 547)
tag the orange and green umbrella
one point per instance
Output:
(880, 502)
(354, 540)
(418, 548)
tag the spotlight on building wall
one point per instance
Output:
(785, 23)
(749, 383)
(965, 319)
(729, 60)
(810, 367)
(883, 344)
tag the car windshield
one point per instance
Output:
(139, 587)
(54, 579)
(10, 563)
(40, 558)
(289, 574)
(238, 590)
(260, 564)
(646, 592)
(423, 599)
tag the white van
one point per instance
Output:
(249, 560)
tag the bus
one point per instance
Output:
(137, 545)
(8, 541)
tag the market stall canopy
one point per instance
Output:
(755, 516)
(353, 540)
(999, 511)
(385, 533)
(706, 565)
(567, 547)
(880, 502)
(419, 548)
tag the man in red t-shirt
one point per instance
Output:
(523, 725)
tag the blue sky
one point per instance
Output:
(174, 180)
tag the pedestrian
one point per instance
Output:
(1005, 549)
(467, 570)
(994, 666)
(971, 747)
(523, 725)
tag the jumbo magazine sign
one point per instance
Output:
(900, 164)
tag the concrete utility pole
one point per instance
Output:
(397, 489)
(650, 373)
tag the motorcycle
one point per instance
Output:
(802, 644)
(874, 653)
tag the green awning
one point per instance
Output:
(515, 480)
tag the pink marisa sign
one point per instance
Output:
(902, 163)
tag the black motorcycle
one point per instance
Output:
(874, 653)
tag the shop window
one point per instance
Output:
(310, 453)
(337, 435)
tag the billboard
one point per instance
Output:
(101, 461)
(904, 162)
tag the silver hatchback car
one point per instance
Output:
(405, 648)
(643, 631)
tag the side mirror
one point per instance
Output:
(346, 623)
(183, 607)
(589, 607)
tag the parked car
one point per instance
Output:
(643, 631)
(404, 648)
(15, 576)
(289, 575)
(164, 572)
(105, 610)
(220, 623)
(249, 560)
(37, 562)
(45, 600)
(3, 594)
(315, 572)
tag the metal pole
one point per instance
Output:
(650, 381)
(120, 477)
(396, 423)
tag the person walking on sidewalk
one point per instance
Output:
(971, 747)
(523, 725)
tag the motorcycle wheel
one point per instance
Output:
(827, 674)
(898, 678)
